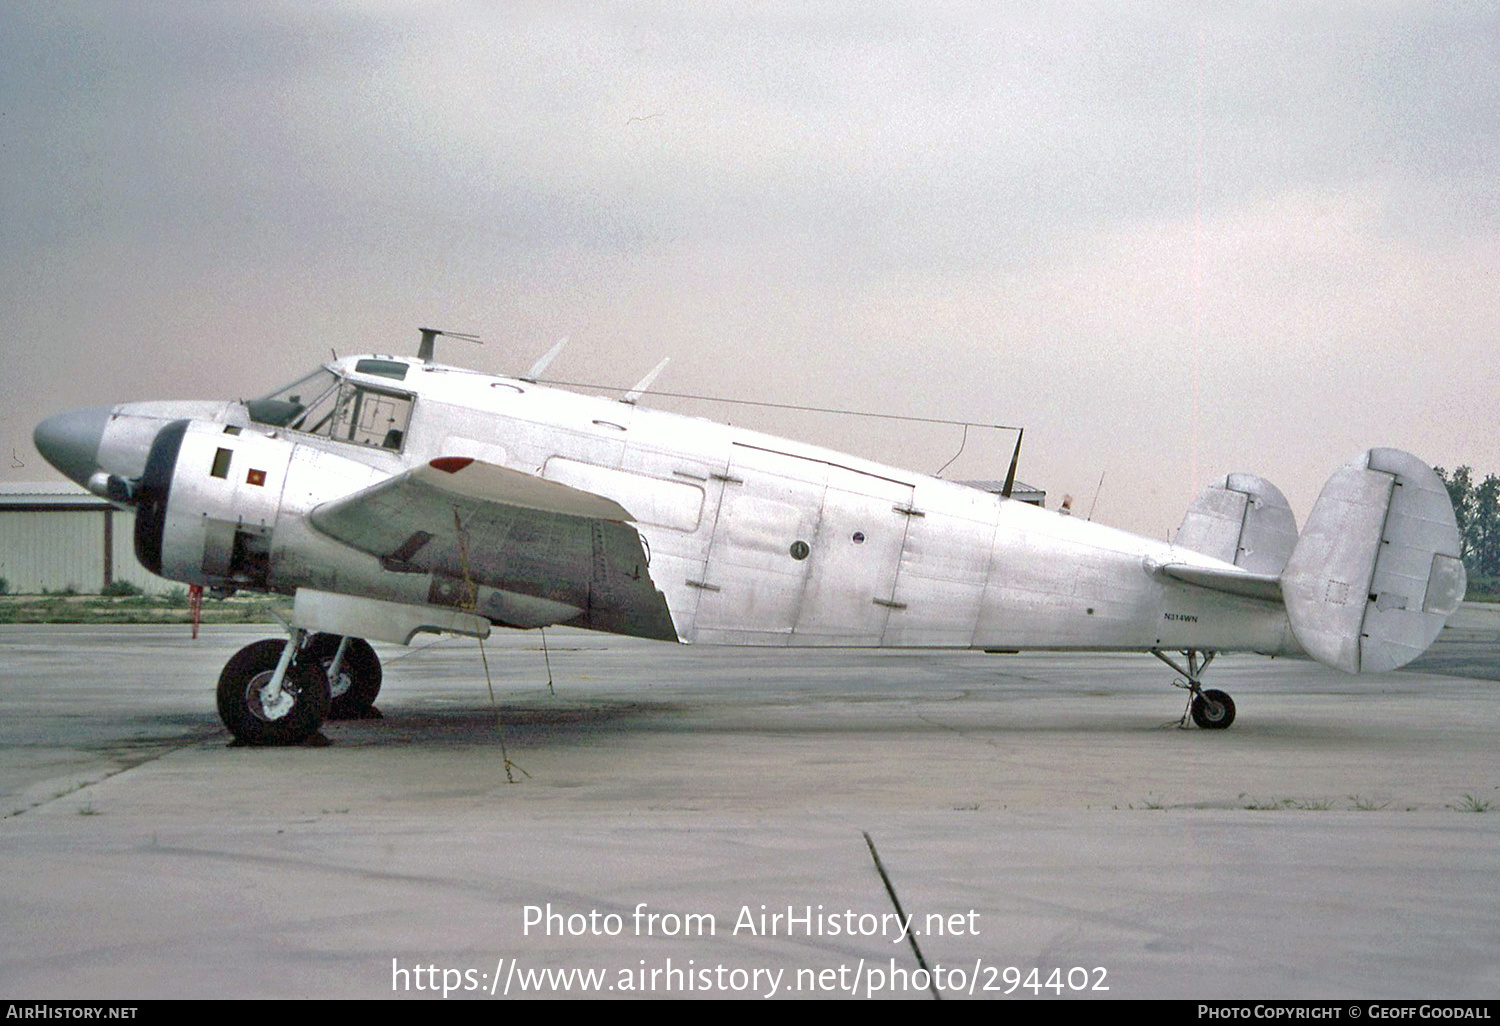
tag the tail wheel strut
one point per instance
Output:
(1210, 709)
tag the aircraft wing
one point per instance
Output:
(508, 545)
(1231, 581)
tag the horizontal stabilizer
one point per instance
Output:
(1232, 582)
(1244, 520)
(1376, 571)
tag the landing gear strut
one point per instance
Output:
(279, 693)
(1211, 710)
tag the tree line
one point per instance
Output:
(1477, 505)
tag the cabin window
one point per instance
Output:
(367, 416)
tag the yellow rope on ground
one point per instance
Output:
(469, 601)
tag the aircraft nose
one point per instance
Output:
(70, 441)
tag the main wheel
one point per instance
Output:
(1213, 710)
(358, 680)
(292, 717)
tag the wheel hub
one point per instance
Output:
(263, 705)
(339, 685)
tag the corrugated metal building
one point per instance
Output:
(1020, 491)
(55, 536)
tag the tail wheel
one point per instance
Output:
(357, 683)
(1213, 710)
(285, 719)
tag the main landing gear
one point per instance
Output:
(353, 671)
(1210, 709)
(277, 693)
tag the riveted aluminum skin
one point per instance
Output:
(546, 506)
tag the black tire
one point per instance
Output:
(247, 674)
(1213, 710)
(358, 682)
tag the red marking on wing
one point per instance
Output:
(451, 464)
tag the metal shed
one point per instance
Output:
(55, 536)
(1020, 491)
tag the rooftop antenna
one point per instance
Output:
(1010, 476)
(429, 338)
(541, 365)
(1096, 495)
(639, 390)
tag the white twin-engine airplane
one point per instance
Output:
(392, 495)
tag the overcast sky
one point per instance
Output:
(1171, 240)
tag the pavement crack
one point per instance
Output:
(124, 763)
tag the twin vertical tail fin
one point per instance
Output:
(1371, 579)
(1244, 520)
(1376, 571)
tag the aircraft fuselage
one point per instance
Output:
(748, 538)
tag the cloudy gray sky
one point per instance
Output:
(1172, 240)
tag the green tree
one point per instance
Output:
(1477, 507)
(1484, 526)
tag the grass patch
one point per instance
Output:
(1263, 804)
(1482, 588)
(1285, 804)
(1472, 803)
(1314, 804)
(129, 609)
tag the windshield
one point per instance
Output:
(324, 404)
(290, 406)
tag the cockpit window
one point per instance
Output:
(325, 404)
(289, 406)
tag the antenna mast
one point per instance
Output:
(1010, 475)
(429, 341)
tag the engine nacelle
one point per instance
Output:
(212, 494)
(207, 504)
